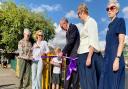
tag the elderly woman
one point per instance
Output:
(113, 76)
(40, 47)
(89, 56)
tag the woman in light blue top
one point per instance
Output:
(40, 48)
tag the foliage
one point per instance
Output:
(13, 20)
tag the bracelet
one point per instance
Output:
(118, 57)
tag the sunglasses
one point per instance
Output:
(110, 8)
(40, 35)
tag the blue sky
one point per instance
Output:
(56, 9)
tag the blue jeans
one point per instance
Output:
(37, 68)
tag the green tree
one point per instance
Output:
(13, 20)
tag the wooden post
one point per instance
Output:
(46, 79)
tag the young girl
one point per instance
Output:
(56, 62)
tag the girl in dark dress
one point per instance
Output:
(113, 74)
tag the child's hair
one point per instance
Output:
(57, 49)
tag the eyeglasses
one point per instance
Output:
(79, 13)
(110, 8)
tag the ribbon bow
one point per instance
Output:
(71, 67)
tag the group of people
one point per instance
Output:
(93, 70)
(27, 53)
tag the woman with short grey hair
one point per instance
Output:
(113, 74)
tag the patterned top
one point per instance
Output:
(24, 48)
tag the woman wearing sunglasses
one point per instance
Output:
(113, 76)
(40, 48)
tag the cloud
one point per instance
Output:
(102, 45)
(88, 0)
(60, 36)
(71, 14)
(59, 40)
(103, 19)
(57, 27)
(103, 32)
(79, 26)
(0, 5)
(125, 12)
(44, 7)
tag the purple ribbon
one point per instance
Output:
(71, 67)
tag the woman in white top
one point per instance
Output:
(89, 56)
(40, 48)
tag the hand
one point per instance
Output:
(44, 54)
(51, 62)
(88, 61)
(36, 46)
(63, 58)
(116, 64)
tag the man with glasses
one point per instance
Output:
(70, 49)
(25, 56)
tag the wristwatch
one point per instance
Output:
(118, 57)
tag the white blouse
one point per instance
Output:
(43, 48)
(89, 36)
